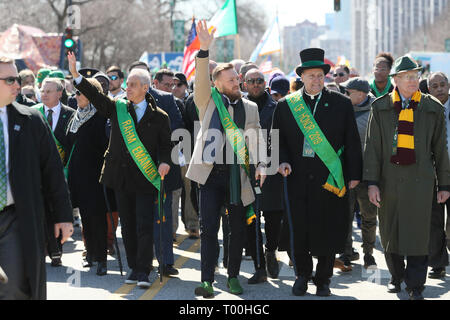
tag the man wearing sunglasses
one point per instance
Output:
(341, 74)
(116, 77)
(30, 171)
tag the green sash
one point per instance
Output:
(136, 148)
(319, 143)
(237, 141)
(61, 151)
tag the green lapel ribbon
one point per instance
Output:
(136, 148)
(61, 151)
(237, 141)
(319, 143)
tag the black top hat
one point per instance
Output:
(312, 58)
(88, 72)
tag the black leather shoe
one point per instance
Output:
(56, 262)
(300, 286)
(260, 276)
(101, 268)
(273, 269)
(415, 294)
(323, 290)
(394, 286)
(437, 273)
(169, 270)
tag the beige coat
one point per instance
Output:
(198, 170)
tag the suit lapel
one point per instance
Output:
(15, 125)
(62, 121)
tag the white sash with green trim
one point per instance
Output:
(319, 143)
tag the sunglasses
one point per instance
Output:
(78, 93)
(113, 77)
(340, 74)
(257, 81)
(11, 80)
(30, 95)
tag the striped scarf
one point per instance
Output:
(403, 152)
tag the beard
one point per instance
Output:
(233, 95)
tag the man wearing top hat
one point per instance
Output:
(405, 153)
(320, 153)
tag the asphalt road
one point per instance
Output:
(73, 282)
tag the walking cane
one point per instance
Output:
(108, 207)
(291, 228)
(257, 190)
(3, 277)
(161, 220)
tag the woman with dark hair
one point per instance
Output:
(86, 132)
(381, 84)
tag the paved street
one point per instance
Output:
(73, 282)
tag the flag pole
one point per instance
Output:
(238, 44)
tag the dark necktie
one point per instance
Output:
(50, 118)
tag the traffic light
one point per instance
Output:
(68, 41)
(337, 5)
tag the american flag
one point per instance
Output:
(190, 52)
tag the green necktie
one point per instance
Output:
(3, 180)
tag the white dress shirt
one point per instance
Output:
(140, 109)
(4, 119)
(55, 116)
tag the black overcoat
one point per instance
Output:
(36, 174)
(90, 143)
(119, 171)
(320, 218)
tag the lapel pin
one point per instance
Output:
(16, 127)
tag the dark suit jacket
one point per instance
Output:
(61, 128)
(86, 163)
(119, 171)
(36, 173)
(319, 216)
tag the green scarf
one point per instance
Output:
(385, 91)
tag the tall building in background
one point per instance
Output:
(379, 25)
(297, 38)
(337, 40)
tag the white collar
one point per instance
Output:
(55, 109)
(313, 97)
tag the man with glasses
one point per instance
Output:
(341, 74)
(31, 172)
(406, 152)
(320, 154)
(116, 78)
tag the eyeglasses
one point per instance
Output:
(11, 80)
(113, 77)
(340, 74)
(258, 81)
(412, 77)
